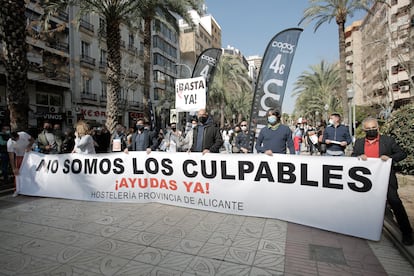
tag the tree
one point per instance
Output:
(127, 12)
(323, 11)
(13, 37)
(166, 11)
(231, 91)
(314, 89)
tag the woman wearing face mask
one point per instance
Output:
(84, 142)
(384, 147)
(275, 137)
(243, 139)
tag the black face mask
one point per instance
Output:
(173, 129)
(202, 120)
(371, 134)
(139, 127)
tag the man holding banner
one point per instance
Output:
(206, 136)
(274, 138)
(385, 147)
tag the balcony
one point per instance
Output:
(102, 98)
(57, 75)
(136, 104)
(102, 65)
(87, 60)
(61, 46)
(132, 49)
(86, 26)
(63, 16)
(88, 96)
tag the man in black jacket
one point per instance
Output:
(385, 147)
(143, 139)
(206, 136)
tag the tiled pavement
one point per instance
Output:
(46, 236)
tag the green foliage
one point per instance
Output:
(401, 127)
(362, 112)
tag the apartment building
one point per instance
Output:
(67, 74)
(255, 63)
(379, 54)
(193, 41)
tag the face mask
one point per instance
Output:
(173, 128)
(244, 128)
(193, 126)
(331, 122)
(371, 134)
(272, 120)
(202, 120)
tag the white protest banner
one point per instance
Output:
(344, 195)
(190, 94)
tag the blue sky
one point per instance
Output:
(248, 25)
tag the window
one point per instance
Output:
(103, 89)
(49, 99)
(85, 49)
(42, 99)
(86, 85)
(102, 59)
(55, 100)
(131, 40)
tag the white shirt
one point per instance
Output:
(85, 145)
(19, 147)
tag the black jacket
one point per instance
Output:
(387, 146)
(150, 140)
(212, 139)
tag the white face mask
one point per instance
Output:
(331, 122)
(244, 128)
(193, 126)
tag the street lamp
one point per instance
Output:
(186, 66)
(350, 93)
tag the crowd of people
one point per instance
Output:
(205, 136)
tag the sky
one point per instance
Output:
(249, 25)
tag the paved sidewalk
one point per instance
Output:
(47, 236)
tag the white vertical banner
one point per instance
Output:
(190, 94)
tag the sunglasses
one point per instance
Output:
(243, 125)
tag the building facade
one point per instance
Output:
(379, 54)
(193, 41)
(67, 69)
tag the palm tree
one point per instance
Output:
(230, 92)
(13, 37)
(314, 89)
(127, 12)
(323, 11)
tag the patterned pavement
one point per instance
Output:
(47, 236)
